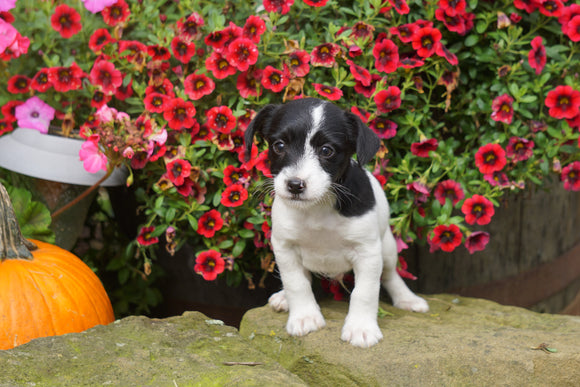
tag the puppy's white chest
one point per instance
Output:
(322, 243)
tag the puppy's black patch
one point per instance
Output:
(286, 129)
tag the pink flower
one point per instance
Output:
(91, 156)
(95, 6)
(7, 34)
(34, 114)
(7, 5)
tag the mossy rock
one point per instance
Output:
(188, 350)
(460, 342)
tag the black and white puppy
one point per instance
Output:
(329, 215)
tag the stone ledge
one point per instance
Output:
(137, 351)
(462, 341)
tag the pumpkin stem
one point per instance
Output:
(12, 244)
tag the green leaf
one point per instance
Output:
(226, 244)
(32, 216)
(245, 233)
(471, 40)
(239, 248)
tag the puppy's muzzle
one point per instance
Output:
(296, 186)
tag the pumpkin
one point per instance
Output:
(44, 290)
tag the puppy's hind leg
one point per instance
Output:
(278, 302)
(402, 296)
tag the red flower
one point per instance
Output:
(5, 126)
(571, 176)
(537, 55)
(66, 21)
(158, 53)
(190, 27)
(502, 109)
(133, 49)
(248, 83)
(520, 149)
(156, 102)
(490, 158)
(221, 119)
(116, 13)
(198, 85)
(527, 5)
(254, 28)
(280, 6)
(388, 100)
(183, 49)
(219, 66)
(444, 52)
(362, 30)
(8, 110)
(298, 63)
(99, 39)
(178, 170)
(66, 78)
(422, 149)
(234, 175)
(145, 237)
(453, 7)
(359, 73)
(400, 6)
(477, 209)
(573, 29)
(19, 84)
(234, 195)
(99, 99)
(405, 32)
(124, 91)
(209, 223)
(564, 102)
(477, 241)
(497, 179)
(447, 237)
(324, 54)
(402, 269)
(316, 3)
(449, 189)
(425, 41)
(274, 79)
(551, 7)
(105, 74)
(179, 114)
(384, 128)
(330, 92)
(368, 91)
(209, 264)
(242, 53)
(452, 20)
(386, 55)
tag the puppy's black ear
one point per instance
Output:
(367, 141)
(258, 126)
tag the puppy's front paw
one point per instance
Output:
(361, 332)
(278, 302)
(412, 303)
(301, 324)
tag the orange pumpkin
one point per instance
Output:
(44, 290)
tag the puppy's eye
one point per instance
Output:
(326, 151)
(279, 147)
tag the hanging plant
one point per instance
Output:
(44, 290)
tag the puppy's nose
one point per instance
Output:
(296, 186)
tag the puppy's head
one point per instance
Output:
(311, 143)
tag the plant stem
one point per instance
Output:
(12, 244)
(58, 212)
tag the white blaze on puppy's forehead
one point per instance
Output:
(317, 115)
